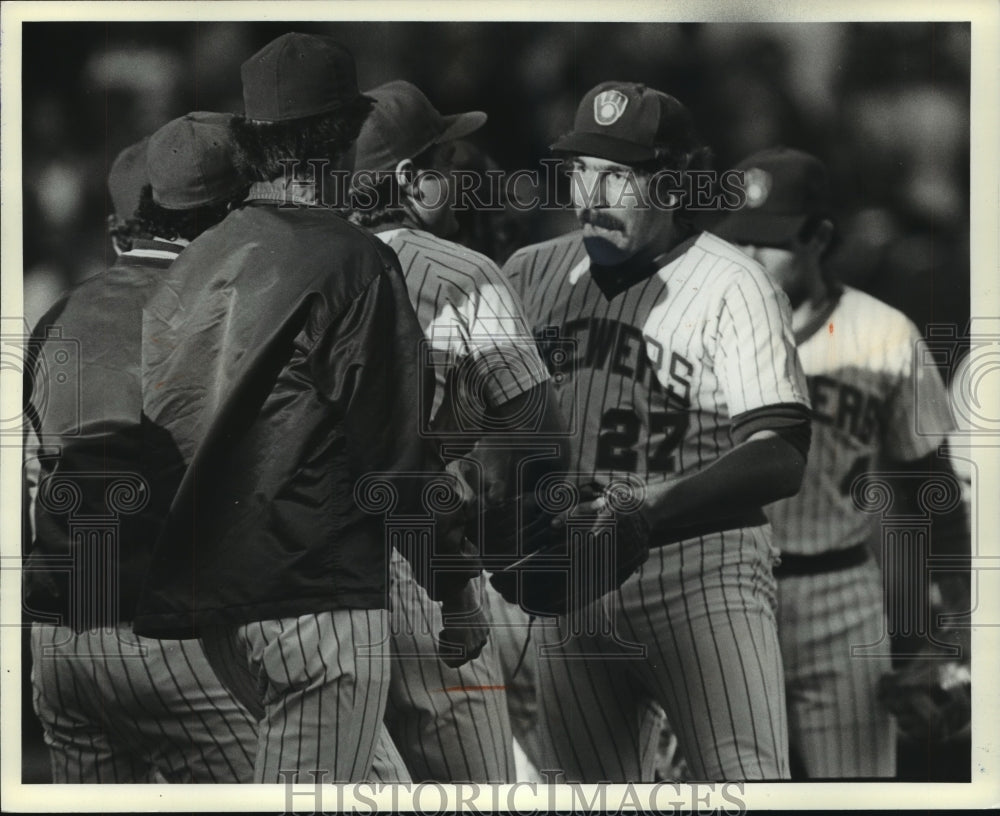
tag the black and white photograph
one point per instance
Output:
(499, 408)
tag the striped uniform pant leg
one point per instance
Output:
(81, 749)
(837, 728)
(162, 699)
(202, 734)
(706, 609)
(387, 763)
(517, 651)
(324, 678)
(450, 725)
(590, 710)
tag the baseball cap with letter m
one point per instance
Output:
(628, 122)
(784, 188)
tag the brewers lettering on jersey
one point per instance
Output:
(684, 372)
(858, 355)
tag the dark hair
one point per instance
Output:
(123, 233)
(381, 201)
(152, 220)
(672, 157)
(806, 232)
(668, 156)
(811, 226)
(262, 149)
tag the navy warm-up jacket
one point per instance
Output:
(282, 357)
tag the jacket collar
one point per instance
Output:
(156, 248)
(284, 191)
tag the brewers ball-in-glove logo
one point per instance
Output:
(758, 185)
(609, 106)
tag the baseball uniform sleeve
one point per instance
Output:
(502, 354)
(756, 360)
(918, 414)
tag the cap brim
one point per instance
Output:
(603, 147)
(760, 228)
(461, 125)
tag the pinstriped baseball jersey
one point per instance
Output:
(662, 366)
(858, 356)
(468, 312)
(453, 724)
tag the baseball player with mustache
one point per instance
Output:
(687, 377)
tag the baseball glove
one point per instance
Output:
(930, 699)
(566, 566)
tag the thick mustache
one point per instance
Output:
(601, 219)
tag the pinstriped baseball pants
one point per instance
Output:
(120, 708)
(837, 728)
(703, 613)
(318, 683)
(509, 633)
(450, 725)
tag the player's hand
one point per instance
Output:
(594, 502)
(466, 625)
(463, 520)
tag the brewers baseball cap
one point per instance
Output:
(784, 189)
(623, 121)
(297, 75)
(127, 178)
(190, 162)
(404, 123)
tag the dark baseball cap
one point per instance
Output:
(127, 178)
(298, 75)
(190, 162)
(623, 121)
(784, 189)
(404, 123)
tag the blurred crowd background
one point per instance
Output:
(885, 105)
